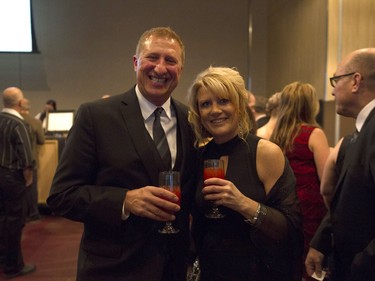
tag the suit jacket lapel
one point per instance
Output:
(183, 130)
(141, 139)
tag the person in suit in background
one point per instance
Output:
(107, 177)
(50, 105)
(37, 138)
(16, 175)
(348, 232)
(257, 105)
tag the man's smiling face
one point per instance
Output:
(158, 67)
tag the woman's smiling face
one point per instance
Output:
(218, 116)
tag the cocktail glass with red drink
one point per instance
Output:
(170, 180)
(214, 168)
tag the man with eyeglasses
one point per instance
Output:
(348, 232)
(334, 79)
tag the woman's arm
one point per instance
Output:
(281, 208)
(329, 177)
(318, 144)
(280, 211)
(279, 183)
(270, 163)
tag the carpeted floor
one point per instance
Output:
(51, 243)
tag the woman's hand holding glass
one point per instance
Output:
(214, 168)
(223, 192)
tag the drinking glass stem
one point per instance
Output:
(215, 209)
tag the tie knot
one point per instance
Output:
(158, 111)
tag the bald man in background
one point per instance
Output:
(16, 168)
(348, 231)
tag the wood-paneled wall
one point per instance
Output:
(307, 39)
(296, 43)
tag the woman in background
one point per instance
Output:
(50, 105)
(260, 236)
(306, 146)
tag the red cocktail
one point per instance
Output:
(212, 172)
(214, 168)
(170, 180)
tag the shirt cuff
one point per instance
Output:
(124, 215)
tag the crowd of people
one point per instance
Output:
(292, 207)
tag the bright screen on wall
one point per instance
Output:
(60, 121)
(16, 28)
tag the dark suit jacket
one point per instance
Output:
(352, 218)
(108, 152)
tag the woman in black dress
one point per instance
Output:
(260, 236)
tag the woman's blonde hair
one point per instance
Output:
(299, 105)
(224, 82)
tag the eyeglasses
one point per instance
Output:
(333, 80)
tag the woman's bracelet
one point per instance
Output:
(260, 213)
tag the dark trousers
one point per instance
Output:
(32, 211)
(12, 218)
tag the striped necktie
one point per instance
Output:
(160, 139)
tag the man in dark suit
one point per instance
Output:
(107, 176)
(348, 232)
